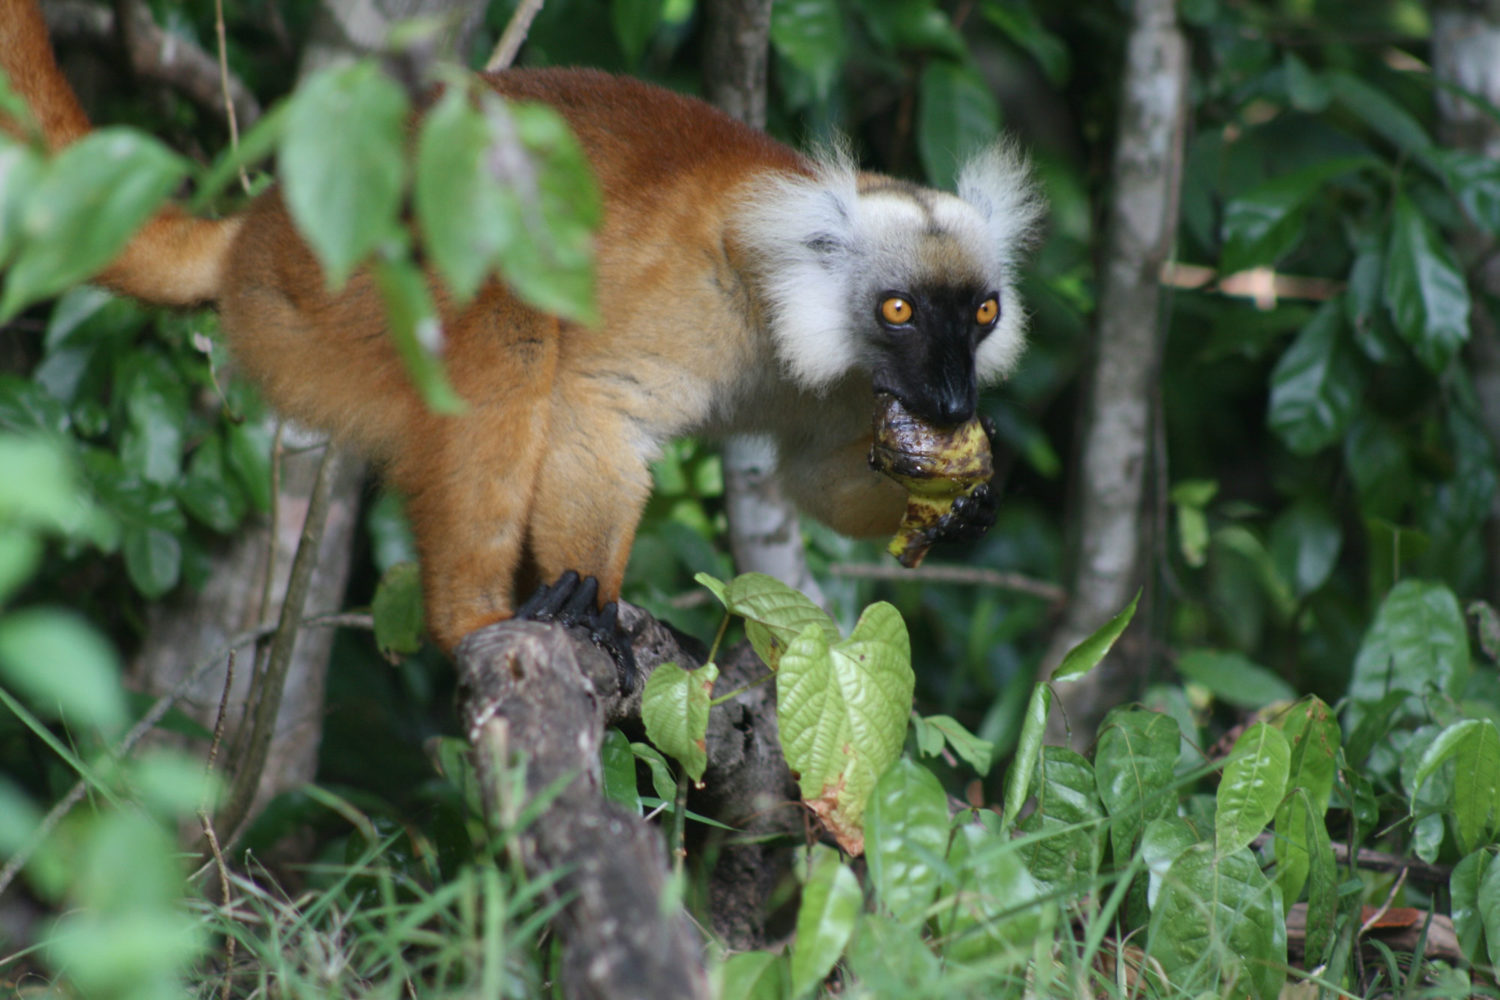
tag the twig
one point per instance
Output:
(207, 821)
(273, 680)
(514, 36)
(966, 575)
(229, 113)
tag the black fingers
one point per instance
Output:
(572, 601)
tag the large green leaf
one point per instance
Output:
(62, 666)
(1086, 655)
(997, 910)
(906, 837)
(809, 34)
(1474, 747)
(956, 115)
(755, 975)
(1264, 223)
(1425, 288)
(1316, 386)
(1028, 751)
(1218, 926)
(343, 164)
(1323, 877)
(1380, 112)
(1253, 783)
(464, 215)
(1065, 832)
(84, 208)
(774, 613)
(397, 610)
(1487, 902)
(831, 901)
(1306, 539)
(1315, 737)
(1133, 770)
(1464, 885)
(674, 709)
(1417, 642)
(842, 712)
(1234, 678)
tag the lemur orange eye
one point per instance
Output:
(895, 310)
(987, 311)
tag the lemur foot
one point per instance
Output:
(572, 601)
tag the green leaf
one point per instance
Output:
(1474, 747)
(1314, 736)
(906, 838)
(1488, 903)
(774, 613)
(831, 901)
(1322, 882)
(208, 492)
(1266, 222)
(1234, 679)
(465, 217)
(997, 911)
(62, 667)
(890, 959)
(416, 330)
(956, 115)
(1067, 824)
(343, 164)
(674, 708)
(1028, 750)
(809, 34)
(1417, 642)
(755, 975)
(635, 22)
(1134, 771)
(397, 610)
(662, 780)
(1425, 289)
(1472, 178)
(1316, 386)
(617, 766)
(153, 559)
(1086, 655)
(1383, 115)
(1469, 877)
(977, 753)
(1305, 543)
(156, 407)
(92, 198)
(1218, 926)
(1163, 842)
(557, 204)
(842, 713)
(21, 170)
(248, 453)
(1254, 781)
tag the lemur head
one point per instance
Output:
(916, 287)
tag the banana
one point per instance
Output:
(936, 465)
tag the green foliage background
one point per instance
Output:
(1322, 494)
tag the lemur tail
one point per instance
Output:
(176, 259)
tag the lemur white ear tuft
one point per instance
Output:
(998, 182)
(801, 231)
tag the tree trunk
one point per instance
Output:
(1117, 433)
(1466, 53)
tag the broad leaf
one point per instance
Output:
(1067, 823)
(957, 114)
(774, 613)
(1218, 926)
(809, 34)
(80, 213)
(1133, 769)
(977, 753)
(343, 164)
(906, 837)
(397, 610)
(755, 975)
(1316, 386)
(1425, 289)
(1474, 747)
(62, 667)
(674, 708)
(1305, 543)
(997, 908)
(1264, 223)
(1417, 642)
(1464, 884)
(842, 712)
(1028, 751)
(831, 901)
(1252, 786)
(1234, 679)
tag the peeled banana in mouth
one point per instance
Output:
(936, 465)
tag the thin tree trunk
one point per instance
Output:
(763, 530)
(1466, 53)
(1117, 434)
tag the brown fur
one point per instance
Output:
(548, 467)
